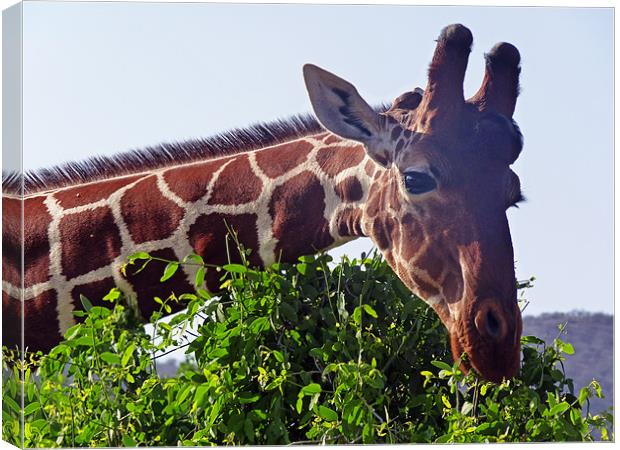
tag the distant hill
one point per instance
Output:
(593, 339)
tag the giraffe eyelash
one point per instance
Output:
(519, 199)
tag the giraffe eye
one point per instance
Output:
(419, 182)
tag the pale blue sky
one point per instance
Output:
(103, 78)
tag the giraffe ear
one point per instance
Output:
(339, 106)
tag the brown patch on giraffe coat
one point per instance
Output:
(41, 327)
(349, 222)
(430, 262)
(416, 284)
(332, 139)
(207, 238)
(450, 288)
(94, 291)
(190, 183)
(374, 204)
(11, 321)
(386, 232)
(277, 161)
(149, 215)
(349, 189)
(393, 198)
(147, 286)
(321, 136)
(91, 193)
(90, 240)
(392, 228)
(380, 234)
(236, 184)
(413, 236)
(337, 158)
(297, 207)
(377, 198)
(36, 242)
(11, 268)
(11, 240)
(370, 168)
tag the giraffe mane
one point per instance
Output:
(96, 168)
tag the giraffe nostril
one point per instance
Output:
(493, 325)
(490, 324)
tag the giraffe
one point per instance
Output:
(428, 180)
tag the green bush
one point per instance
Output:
(301, 353)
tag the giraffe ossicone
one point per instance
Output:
(428, 180)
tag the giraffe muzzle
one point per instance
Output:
(490, 335)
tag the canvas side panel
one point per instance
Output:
(12, 226)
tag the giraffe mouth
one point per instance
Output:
(494, 363)
(458, 350)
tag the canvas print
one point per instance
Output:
(236, 224)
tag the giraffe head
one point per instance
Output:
(438, 195)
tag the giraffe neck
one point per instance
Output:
(283, 201)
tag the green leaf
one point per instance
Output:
(86, 341)
(568, 348)
(575, 417)
(235, 268)
(203, 293)
(466, 408)
(137, 256)
(248, 429)
(193, 307)
(483, 427)
(200, 277)
(446, 401)
(196, 258)
(311, 389)
(39, 424)
(248, 397)
(302, 268)
(597, 388)
(357, 315)
(110, 358)
(31, 391)
(259, 324)
(531, 340)
(441, 365)
(11, 403)
(32, 407)
(278, 355)
(327, 413)
(127, 354)
(559, 408)
(370, 311)
(183, 395)
(86, 302)
(113, 295)
(129, 442)
(169, 271)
